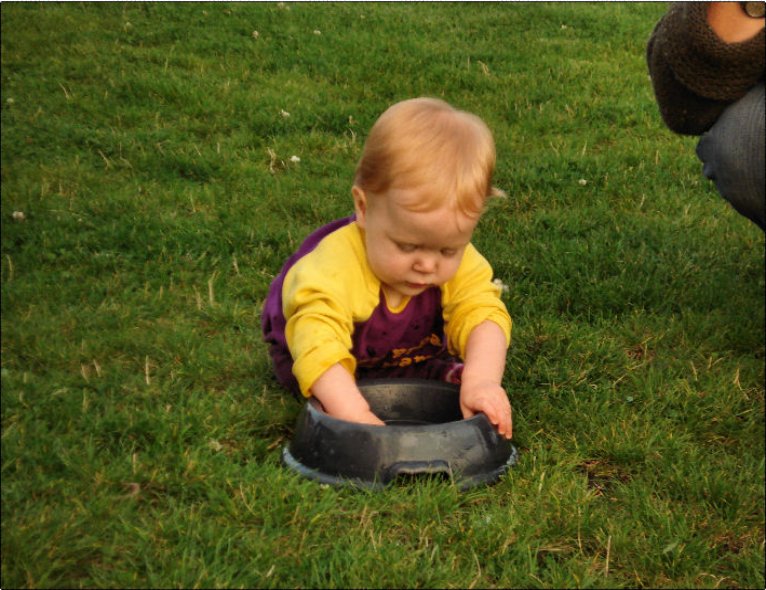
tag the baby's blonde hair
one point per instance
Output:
(426, 143)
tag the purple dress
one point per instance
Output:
(410, 343)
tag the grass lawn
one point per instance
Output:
(159, 163)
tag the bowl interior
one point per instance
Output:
(411, 402)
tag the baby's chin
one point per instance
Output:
(417, 286)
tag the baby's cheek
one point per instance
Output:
(451, 270)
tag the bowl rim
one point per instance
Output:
(477, 422)
(315, 408)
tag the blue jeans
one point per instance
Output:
(732, 153)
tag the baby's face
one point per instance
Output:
(410, 251)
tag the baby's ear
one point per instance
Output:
(360, 205)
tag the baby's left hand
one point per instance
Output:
(490, 398)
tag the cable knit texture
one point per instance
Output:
(696, 75)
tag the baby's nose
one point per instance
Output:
(426, 264)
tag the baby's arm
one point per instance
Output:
(481, 389)
(341, 398)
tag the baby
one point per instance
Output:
(398, 290)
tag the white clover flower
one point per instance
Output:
(9, 101)
(284, 113)
(501, 285)
(317, 32)
(295, 159)
(255, 34)
(18, 216)
(582, 182)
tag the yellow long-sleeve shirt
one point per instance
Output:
(331, 291)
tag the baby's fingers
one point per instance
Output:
(467, 412)
(500, 416)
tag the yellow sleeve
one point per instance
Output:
(324, 294)
(471, 298)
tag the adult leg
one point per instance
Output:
(732, 153)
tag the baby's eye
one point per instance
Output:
(406, 247)
(449, 252)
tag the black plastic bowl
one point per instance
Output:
(425, 434)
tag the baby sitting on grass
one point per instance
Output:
(398, 290)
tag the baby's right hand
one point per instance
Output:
(363, 417)
(336, 390)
